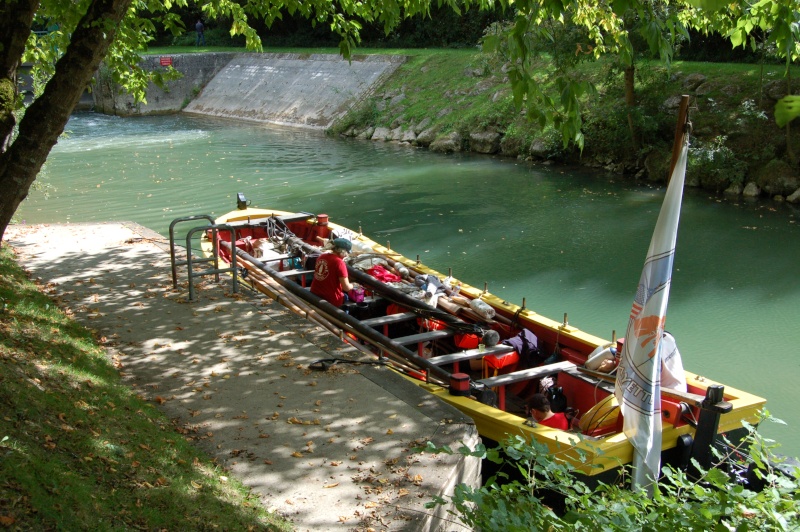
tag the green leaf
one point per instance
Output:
(787, 109)
(708, 5)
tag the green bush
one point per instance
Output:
(715, 501)
(715, 165)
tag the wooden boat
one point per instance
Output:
(434, 346)
(431, 341)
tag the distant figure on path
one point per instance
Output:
(200, 36)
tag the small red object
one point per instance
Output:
(459, 384)
(166, 61)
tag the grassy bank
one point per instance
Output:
(460, 93)
(79, 450)
(735, 139)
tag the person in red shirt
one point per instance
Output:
(331, 281)
(540, 411)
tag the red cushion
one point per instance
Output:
(467, 341)
(501, 361)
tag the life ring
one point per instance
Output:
(601, 416)
(599, 355)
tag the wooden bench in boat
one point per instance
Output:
(423, 337)
(387, 320)
(605, 383)
(470, 354)
(501, 381)
(296, 273)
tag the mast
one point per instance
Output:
(682, 128)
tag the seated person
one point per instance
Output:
(331, 281)
(542, 415)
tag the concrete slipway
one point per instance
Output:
(328, 450)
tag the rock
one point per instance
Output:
(447, 143)
(366, 134)
(484, 142)
(407, 136)
(692, 81)
(734, 190)
(512, 146)
(751, 190)
(777, 177)
(672, 103)
(705, 88)
(396, 134)
(395, 101)
(794, 197)
(776, 89)
(778, 198)
(382, 133)
(539, 149)
(422, 125)
(426, 137)
(731, 90)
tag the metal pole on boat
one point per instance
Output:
(343, 320)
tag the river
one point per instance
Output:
(561, 238)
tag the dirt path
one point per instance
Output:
(329, 450)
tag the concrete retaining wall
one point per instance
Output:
(309, 91)
(301, 90)
(197, 70)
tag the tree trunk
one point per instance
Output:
(630, 102)
(47, 116)
(16, 19)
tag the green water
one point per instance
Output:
(563, 240)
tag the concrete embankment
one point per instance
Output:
(329, 450)
(196, 71)
(309, 91)
(289, 89)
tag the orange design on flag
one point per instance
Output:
(649, 329)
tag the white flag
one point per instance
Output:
(637, 387)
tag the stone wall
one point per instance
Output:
(197, 71)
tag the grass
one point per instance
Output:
(79, 450)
